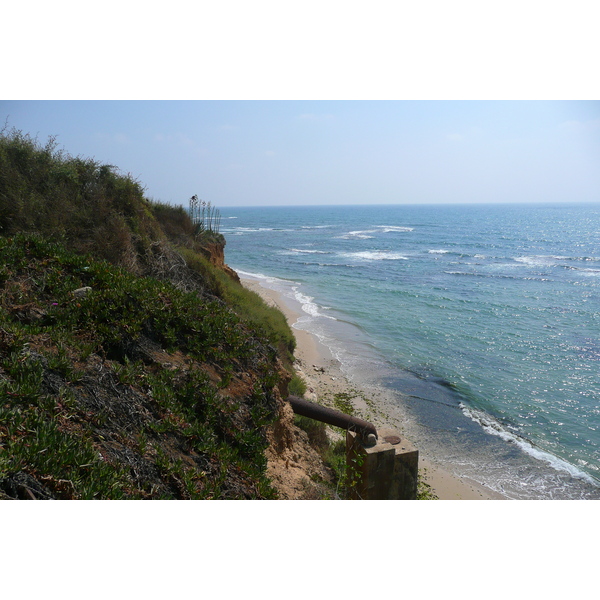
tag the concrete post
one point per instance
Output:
(386, 471)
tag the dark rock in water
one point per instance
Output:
(443, 382)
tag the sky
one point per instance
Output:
(327, 102)
(286, 152)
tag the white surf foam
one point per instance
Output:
(394, 229)
(358, 235)
(310, 307)
(300, 251)
(374, 255)
(289, 289)
(540, 260)
(493, 427)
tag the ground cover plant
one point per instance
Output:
(128, 389)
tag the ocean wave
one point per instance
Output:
(582, 258)
(358, 235)
(374, 255)
(290, 289)
(539, 261)
(238, 230)
(300, 251)
(334, 265)
(470, 274)
(243, 230)
(494, 427)
(394, 229)
(262, 277)
(308, 306)
(459, 254)
(495, 276)
(553, 260)
(363, 234)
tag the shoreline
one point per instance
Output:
(325, 379)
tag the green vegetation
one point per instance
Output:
(268, 319)
(86, 379)
(342, 401)
(158, 378)
(333, 455)
(84, 204)
(297, 386)
(424, 490)
(205, 216)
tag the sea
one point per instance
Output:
(482, 322)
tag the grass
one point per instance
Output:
(268, 319)
(80, 201)
(297, 386)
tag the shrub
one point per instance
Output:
(90, 206)
(297, 386)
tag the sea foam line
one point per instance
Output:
(300, 251)
(374, 255)
(289, 289)
(493, 427)
(308, 306)
(361, 234)
(395, 228)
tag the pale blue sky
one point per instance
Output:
(254, 153)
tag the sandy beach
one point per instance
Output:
(324, 379)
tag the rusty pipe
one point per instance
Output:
(331, 416)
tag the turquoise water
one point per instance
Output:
(482, 321)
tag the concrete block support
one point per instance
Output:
(386, 471)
